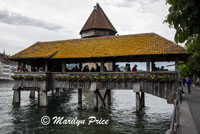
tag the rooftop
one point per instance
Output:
(98, 20)
(102, 47)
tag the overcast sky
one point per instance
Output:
(24, 22)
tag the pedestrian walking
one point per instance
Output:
(180, 85)
(188, 82)
(183, 81)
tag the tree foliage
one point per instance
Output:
(184, 16)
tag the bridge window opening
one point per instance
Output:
(164, 66)
(73, 67)
(141, 66)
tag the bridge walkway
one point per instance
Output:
(190, 112)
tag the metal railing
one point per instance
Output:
(175, 117)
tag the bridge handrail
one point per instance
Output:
(175, 117)
(139, 72)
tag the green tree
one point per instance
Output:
(184, 16)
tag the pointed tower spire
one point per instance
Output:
(97, 24)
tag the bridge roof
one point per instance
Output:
(146, 44)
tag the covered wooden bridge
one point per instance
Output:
(48, 64)
(147, 48)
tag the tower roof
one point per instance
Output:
(98, 20)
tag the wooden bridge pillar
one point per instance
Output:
(16, 97)
(61, 90)
(57, 92)
(43, 98)
(140, 101)
(96, 100)
(52, 92)
(109, 96)
(80, 96)
(32, 94)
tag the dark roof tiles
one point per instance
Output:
(98, 20)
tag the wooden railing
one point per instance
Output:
(176, 115)
(161, 84)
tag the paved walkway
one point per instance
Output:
(190, 112)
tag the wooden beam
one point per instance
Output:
(57, 92)
(102, 66)
(152, 66)
(80, 96)
(32, 94)
(16, 97)
(46, 66)
(176, 66)
(43, 98)
(109, 96)
(95, 100)
(102, 99)
(80, 66)
(63, 66)
(113, 66)
(142, 99)
(138, 103)
(148, 65)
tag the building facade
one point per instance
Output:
(7, 67)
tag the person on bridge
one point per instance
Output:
(117, 68)
(134, 69)
(188, 84)
(127, 68)
(97, 68)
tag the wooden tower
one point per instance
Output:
(97, 24)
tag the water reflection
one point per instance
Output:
(122, 118)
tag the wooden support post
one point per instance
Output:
(102, 66)
(102, 99)
(96, 100)
(113, 66)
(176, 66)
(42, 98)
(52, 92)
(80, 66)
(148, 65)
(152, 66)
(19, 64)
(142, 99)
(63, 66)
(109, 96)
(46, 66)
(138, 102)
(16, 97)
(80, 96)
(32, 68)
(57, 92)
(38, 97)
(61, 90)
(32, 94)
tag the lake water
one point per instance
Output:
(26, 119)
